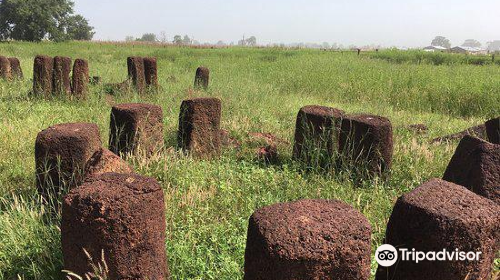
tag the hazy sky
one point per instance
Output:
(359, 22)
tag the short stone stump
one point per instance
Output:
(493, 130)
(61, 75)
(80, 86)
(136, 128)
(61, 154)
(366, 143)
(136, 73)
(439, 216)
(121, 216)
(476, 166)
(316, 135)
(308, 239)
(15, 68)
(199, 127)
(202, 78)
(151, 73)
(5, 69)
(105, 161)
(42, 75)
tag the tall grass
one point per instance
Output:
(209, 202)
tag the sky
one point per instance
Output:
(402, 23)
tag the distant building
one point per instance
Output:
(435, 49)
(468, 50)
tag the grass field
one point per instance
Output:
(209, 202)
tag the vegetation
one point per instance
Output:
(35, 20)
(209, 202)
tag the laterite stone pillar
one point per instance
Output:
(308, 239)
(5, 69)
(121, 216)
(136, 129)
(151, 73)
(80, 79)
(15, 67)
(439, 216)
(493, 130)
(202, 78)
(42, 75)
(61, 75)
(316, 135)
(136, 73)
(199, 127)
(61, 155)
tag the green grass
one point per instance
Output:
(209, 202)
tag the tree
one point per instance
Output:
(163, 37)
(441, 42)
(78, 28)
(252, 41)
(186, 40)
(35, 20)
(148, 37)
(471, 43)
(494, 46)
(177, 40)
(129, 39)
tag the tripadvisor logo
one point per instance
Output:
(387, 255)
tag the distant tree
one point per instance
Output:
(129, 39)
(221, 43)
(471, 43)
(35, 20)
(252, 41)
(441, 42)
(494, 46)
(163, 37)
(177, 40)
(78, 28)
(186, 40)
(325, 45)
(148, 37)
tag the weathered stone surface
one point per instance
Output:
(199, 127)
(80, 87)
(95, 80)
(202, 78)
(136, 129)
(366, 141)
(308, 239)
(316, 135)
(476, 166)
(105, 161)
(136, 73)
(122, 215)
(42, 75)
(151, 73)
(478, 131)
(61, 154)
(61, 75)
(5, 70)
(268, 154)
(15, 68)
(493, 130)
(441, 215)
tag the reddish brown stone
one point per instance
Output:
(308, 239)
(61, 75)
(5, 70)
(493, 130)
(268, 154)
(366, 141)
(105, 161)
(80, 79)
(202, 78)
(15, 68)
(122, 216)
(199, 126)
(151, 73)
(42, 75)
(61, 154)
(316, 135)
(478, 131)
(441, 215)
(136, 73)
(136, 129)
(476, 166)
